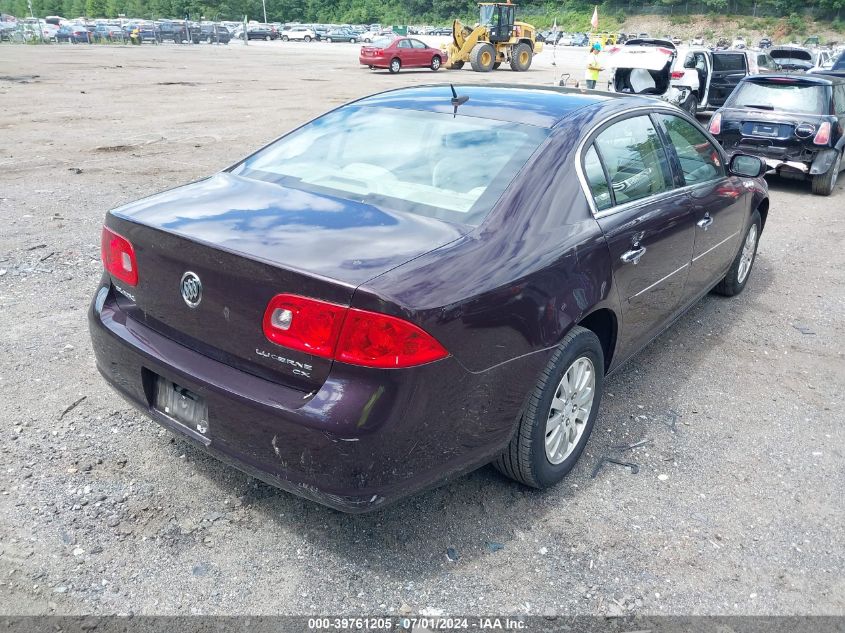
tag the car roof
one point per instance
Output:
(542, 106)
(820, 78)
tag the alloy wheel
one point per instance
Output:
(570, 410)
(747, 256)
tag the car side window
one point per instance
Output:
(417, 44)
(635, 159)
(700, 160)
(594, 172)
(404, 44)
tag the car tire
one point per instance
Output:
(740, 270)
(352, 41)
(307, 38)
(329, 40)
(824, 184)
(285, 38)
(521, 57)
(395, 65)
(435, 63)
(691, 105)
(531, 458)
(209, 40)
(482, 57)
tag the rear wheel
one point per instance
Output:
(824, 184)
(559, 414)
(352, 41)
(691, 105)
(734, 282)
(328, 39)
(482, 57)
(521, 57)
(266, 38)
(435, 63)
(285, 38)
(307, 38)
(395, 65)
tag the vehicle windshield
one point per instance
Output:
(428, 163)
(783, 97)
(486, 16)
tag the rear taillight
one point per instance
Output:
(119, 257)
(304, 324)
(349, 335)
(716, 124)
(823, 135)
(677, 74)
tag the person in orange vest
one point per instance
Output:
(593, 66)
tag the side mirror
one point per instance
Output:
(747, 166)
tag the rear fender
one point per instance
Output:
(823, 161)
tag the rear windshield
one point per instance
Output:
(728, 62)
(428, 163)
(785, 97)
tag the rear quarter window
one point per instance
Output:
(729, 62)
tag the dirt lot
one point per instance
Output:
(735, 509)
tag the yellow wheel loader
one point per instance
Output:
(495, 40)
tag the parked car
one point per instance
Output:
(176, 32)
(256, 32)
(354, 323)
(74, 34)
(212, 34)
(765, 43)
(146, 31)
(580, 39)
(299, 33)
(692, 78)
(794, 58)
(834, 67)
(793, 122)
(402, 52)
(739, 43)
(698, 40)
(442, 30)
(342, 35)
(108, 33)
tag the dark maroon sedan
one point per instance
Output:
(353, 320)
(401, 52)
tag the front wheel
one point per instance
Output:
(307, 38)
(395, 65)
(559, 414)
(352, 41)
(435, 63)
(824, 184)
(734, 282)
(266, 38)
(521, 57)
(329, 40)
(285, 38)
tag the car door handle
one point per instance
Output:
(633, 256)
(705, 222)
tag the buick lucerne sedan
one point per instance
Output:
(353, 320)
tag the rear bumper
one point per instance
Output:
(375, 62)
(793, 161)
(364, 439)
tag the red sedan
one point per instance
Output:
(401, 52)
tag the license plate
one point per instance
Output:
(181, 405)
(770, 131)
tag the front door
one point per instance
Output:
(717, 201)
(647, 225)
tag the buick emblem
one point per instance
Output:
(191, 288)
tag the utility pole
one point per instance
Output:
(264, 4)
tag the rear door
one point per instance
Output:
(729, 67)
(646, 221)
(717, 200)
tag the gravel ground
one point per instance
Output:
(735, 508)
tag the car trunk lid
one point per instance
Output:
(641, 69)
(248, 241)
